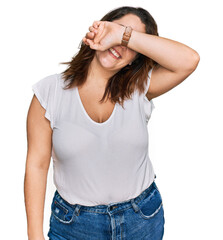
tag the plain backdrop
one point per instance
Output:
(185, 130)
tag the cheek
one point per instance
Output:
(101, 55)
(98, 54)
(131, 55)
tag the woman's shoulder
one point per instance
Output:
(48, 81)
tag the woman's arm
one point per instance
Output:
(172, 55)
(37, 165)
(176, 61)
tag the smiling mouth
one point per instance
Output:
(114, 53)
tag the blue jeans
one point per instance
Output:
(140, 218)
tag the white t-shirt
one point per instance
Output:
(97, 163)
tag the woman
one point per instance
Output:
(105, 181)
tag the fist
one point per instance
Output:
(103, 35)
(90, 35)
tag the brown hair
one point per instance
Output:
(122, 84)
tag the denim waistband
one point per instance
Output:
(113, 207)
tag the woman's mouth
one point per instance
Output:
(114, 53)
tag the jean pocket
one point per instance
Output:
(62, 210)
(151, 205)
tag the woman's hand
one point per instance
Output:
(103, 35)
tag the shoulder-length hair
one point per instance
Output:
(122, 84)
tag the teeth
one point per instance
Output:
(114, 52)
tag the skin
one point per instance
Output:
(103, 64)
(176, 62)
(39, 136)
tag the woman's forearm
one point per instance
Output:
(171, 54)
(34, 191)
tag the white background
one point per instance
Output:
(185, 128)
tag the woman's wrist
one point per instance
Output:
(120, 32)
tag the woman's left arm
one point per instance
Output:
(170, 54)
(176, 61)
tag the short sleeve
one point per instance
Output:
(148, 104)
(45, 90)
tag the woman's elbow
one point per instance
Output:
(195, 59)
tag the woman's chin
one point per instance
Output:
(108, 64)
